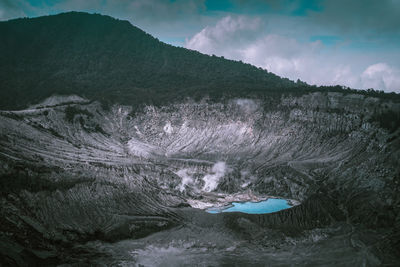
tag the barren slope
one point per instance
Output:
(79, 173)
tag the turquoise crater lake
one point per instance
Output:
(267, 206)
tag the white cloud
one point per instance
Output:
(242, 38)
(381, 75)
(282, 55)
(211, 40)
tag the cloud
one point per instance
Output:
(279, 54)
(241, 38)
(238, 28)
(167, 20)
(381, 75)
(360, 17)
(12, 8)
(154, 10)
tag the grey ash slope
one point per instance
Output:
(76, 177)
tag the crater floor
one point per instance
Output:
(85, 185)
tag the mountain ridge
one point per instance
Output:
(110, 60)
(93, 55)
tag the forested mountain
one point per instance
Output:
(103, 58)
(106, 59)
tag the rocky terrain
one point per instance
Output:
(85, 184)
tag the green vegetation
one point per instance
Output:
(110, 60)
(389, 120)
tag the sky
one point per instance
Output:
(354, 43)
